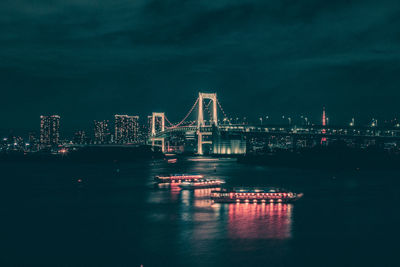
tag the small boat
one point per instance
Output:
(178, 178)
(201, 183)
(172, 160)
(254, 195)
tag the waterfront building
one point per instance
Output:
(126, 129)
(80, 137)
(49, 130)
(101, 132)
(33, 142)
(228, 144)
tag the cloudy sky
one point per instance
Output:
(87, 59)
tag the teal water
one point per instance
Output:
(116, 216)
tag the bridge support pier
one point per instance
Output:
(153, 141)
(200, 142)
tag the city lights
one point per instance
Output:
(209, 134)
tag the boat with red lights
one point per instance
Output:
(254, 195)
(178, 178)
(201, 183)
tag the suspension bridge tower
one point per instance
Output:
(205, 103)
(200, 119)
(154, 121)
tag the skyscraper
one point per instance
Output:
(33, 141)
(49, 130)
(323, 139)
(80, 137)
(126, 129)
(101, 132)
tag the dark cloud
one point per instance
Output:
(87, 59)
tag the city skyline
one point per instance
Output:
(226, 134)
(295, 120)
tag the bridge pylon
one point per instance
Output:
(200, 119)
(153, 129)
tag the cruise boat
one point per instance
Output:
(254, 195)
(201, 183)
(178, 178)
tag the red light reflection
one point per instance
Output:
(202, 197)
(260, 221)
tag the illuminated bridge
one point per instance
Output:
(201, 127)
(208, 131)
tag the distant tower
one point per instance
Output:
(323, 139)
(49, 130)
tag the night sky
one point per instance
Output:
(86, 59)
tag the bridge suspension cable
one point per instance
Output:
(166, 119)
(208, 110)
(220, 107)
(187, 115)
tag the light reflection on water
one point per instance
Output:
(260, 221)
(201, 224)
(126, 217)
(244, 220)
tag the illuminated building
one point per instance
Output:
(80, 137)
(49, 130)
(33, 141)
(101, 132)
(126, 129)
(323, 139)
(227, 144)
(32, 137)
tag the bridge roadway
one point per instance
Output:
(298, 132)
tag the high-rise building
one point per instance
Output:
(80, 137)
(33, 141)
(126, 129)
(101, 132)
(324, 123)
(49, 130)
(32, 138)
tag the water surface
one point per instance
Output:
(116, 216)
